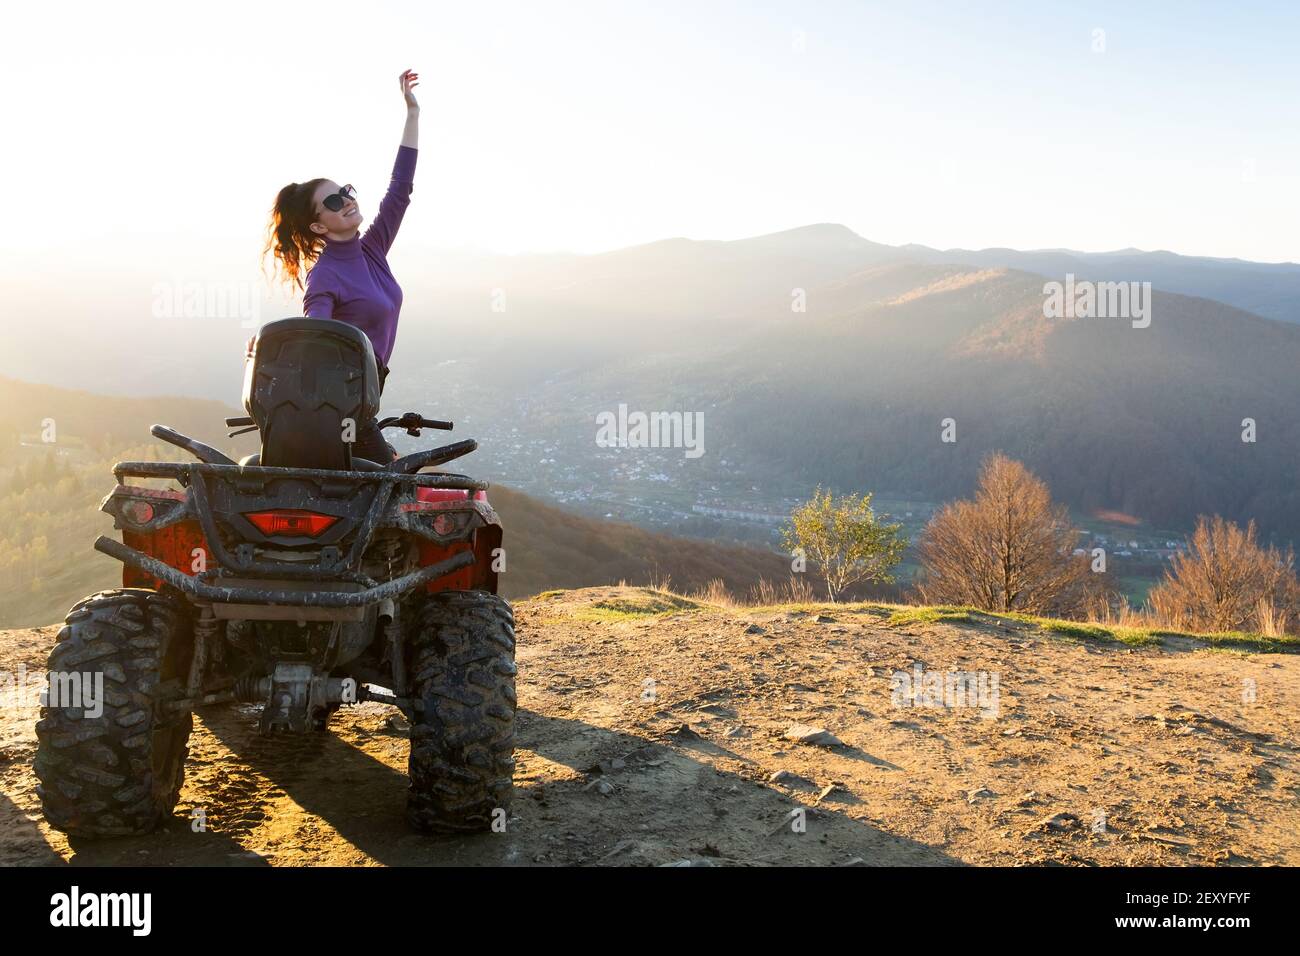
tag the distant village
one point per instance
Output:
(661, 489)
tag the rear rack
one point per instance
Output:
(183, 470)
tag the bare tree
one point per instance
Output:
(1007, 549)
(1224, 580)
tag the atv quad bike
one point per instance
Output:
(302, 579)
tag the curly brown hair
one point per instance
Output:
(288, 234)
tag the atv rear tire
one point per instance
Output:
(120, 773)
(463, 742)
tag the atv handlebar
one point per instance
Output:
(413, 422)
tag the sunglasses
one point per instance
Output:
(334, 202)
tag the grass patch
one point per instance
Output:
(650, 604)
(1136, 636)
(930, 615)
(826, 607)
(1083, 632)
(1153, 636)
(1262, 643)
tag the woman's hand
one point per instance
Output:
(411, 131)
(409, 80)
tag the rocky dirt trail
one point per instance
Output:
(653, 731)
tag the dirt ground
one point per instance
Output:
(662, 738)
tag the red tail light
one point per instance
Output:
(290, 522)
(141, 512)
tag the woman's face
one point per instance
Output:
(341, 224)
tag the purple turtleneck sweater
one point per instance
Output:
(351, 281)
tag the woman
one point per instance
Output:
(315, 226)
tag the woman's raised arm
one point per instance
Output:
(383, 230)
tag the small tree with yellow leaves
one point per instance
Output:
(843, 540)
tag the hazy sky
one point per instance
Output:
(153, 137)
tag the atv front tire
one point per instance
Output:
(462, 646)
(119, 773)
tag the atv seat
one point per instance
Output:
(307, 383)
